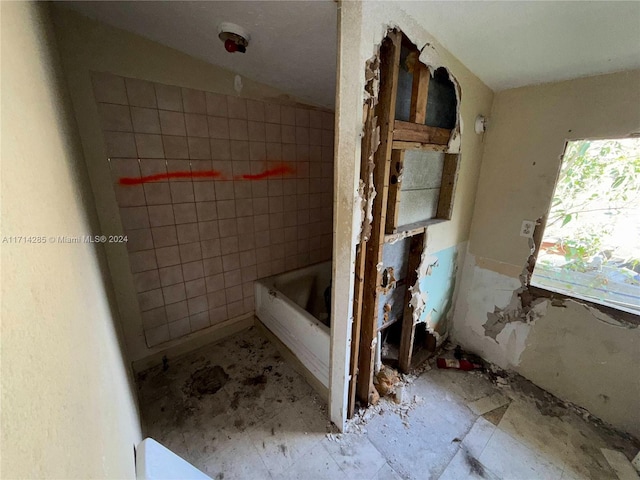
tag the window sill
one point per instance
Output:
(622, 316)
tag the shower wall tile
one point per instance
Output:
(141, 93)
(199, 321)
(145, 120)
(169, 97)
(109, 88)
(196, 244)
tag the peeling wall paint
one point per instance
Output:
(553, 343)
(439, 282)
(576, 352)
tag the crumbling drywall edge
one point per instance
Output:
(431, 58)
(419, 298)
(526, 306)
(366, 193)
(527, 311)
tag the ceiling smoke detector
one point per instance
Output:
(234, 37)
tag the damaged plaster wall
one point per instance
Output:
(363, 25)
(439, 283)
(575, 352)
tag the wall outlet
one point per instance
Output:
(527, 228)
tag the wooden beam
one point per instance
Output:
(415, 132)
(408, 326)
(355, 329)
(385, 110)
(368, 145)
(419, 93)
(429, 147)
(395, 185)
(448, 186)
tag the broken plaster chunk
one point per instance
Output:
(374, 396)
(430, 57)
(386, 380)
(387, 309)
(399, 393)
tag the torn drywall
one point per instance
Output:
(522, 307)
(526, 305)
(431, 58)
(434, 314)
(371, 142)
(439, 282)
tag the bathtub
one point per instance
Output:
(292, 306)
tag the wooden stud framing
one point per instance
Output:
(447, 187)
(415, 132)
(394, 138)
(428, 147)
(419, 92)
(408, 324)
(393, 204)
(355, 331)
(389, 61)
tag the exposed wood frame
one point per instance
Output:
(415, 132)
(395, 137)
(429, 147)
(368, 145)
(408, 324)
(389, 60)
(395, 182)
(355, 330)
(447, 187)
(412, 135)
(419, 93)
(411, 229)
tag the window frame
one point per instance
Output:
(540, 292)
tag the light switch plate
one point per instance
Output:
(526, 230)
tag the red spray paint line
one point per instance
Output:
(281, 170)
(165, 176)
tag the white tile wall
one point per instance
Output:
(197, 244)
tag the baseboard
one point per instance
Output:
(290, 357)
(195, 341)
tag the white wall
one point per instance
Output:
(576, 353)
(68, 401)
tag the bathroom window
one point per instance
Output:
(591, 244)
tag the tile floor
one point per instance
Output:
(237, 410)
